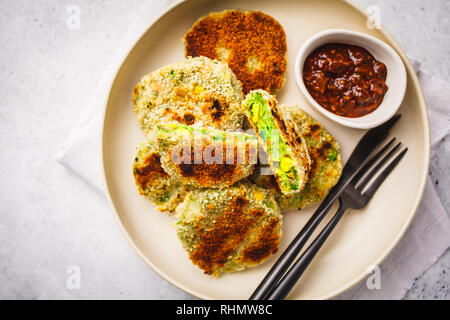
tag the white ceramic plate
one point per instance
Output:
(362, 239)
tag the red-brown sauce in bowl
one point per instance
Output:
(345, 79)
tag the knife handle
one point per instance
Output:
(290, 254)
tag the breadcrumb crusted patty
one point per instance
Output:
(289, 158)
(152, 181)
(195, 90)
(326, 165)
(202, 157)
(251, 42)
(229, 230)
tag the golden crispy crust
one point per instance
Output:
(326, 165)
(191, 91)
(251, 42)
(149, 170)
(221, 174)
(204, 157)
(264, 244)
(217, 243)
(229, 230)
(151, 179)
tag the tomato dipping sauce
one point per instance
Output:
(345, 79)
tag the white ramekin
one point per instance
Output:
(396, 75)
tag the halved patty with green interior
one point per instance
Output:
(279, 136)
(190, 91)
(230, 229)
(203, 157)
(326, 165)
(152, 181)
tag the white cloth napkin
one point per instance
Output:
(424, 242)
(81, 152)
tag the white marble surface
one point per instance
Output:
(49, 218)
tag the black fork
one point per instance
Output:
(355, 196)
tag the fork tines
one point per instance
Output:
(369, 172)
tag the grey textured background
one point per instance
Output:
(49, 218)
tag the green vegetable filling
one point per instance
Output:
(216, 135)
(261, 116)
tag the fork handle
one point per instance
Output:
(290, 254)
(284, 286)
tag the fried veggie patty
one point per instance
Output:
(152, 181)
(251, 42)
(190, 91)
(326, 165)
(278, 134)
(229, 230)
(202, 157)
